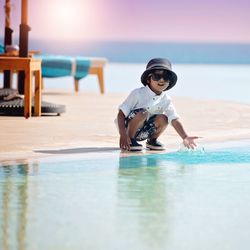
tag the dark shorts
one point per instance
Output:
(148, 128)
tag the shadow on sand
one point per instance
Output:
(79, 150)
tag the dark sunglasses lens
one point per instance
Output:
(157, 77)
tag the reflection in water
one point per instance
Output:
(163, 194)
(142, 197)
(5, 208)
(161, 201)
(14, 205)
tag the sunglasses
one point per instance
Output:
(158, 76)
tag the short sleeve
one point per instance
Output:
(171, 113)
(130, 103)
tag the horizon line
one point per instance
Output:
(133, 41)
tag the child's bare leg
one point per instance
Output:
(136, 123)
(161, 122)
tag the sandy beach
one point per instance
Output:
(88, 125)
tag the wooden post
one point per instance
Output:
(38, 94)
(76, 85)
(27, 93)
(23, 42)
(24, 17)
(101, 80)
(7, 41)
(7, 13)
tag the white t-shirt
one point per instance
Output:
(145, 98)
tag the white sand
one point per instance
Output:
(89, 123)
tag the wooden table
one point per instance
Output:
(29, 66)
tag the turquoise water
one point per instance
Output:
(176, 200)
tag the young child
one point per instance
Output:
(148, 110)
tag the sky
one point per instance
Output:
(216, 21)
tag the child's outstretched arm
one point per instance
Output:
(188, 141)
(124, 138)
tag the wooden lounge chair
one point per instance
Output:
(78, 67)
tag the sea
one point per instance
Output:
(218, 71)
(141, 52)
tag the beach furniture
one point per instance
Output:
(1, 48)
(11, 103)
(59, 66)
(77, 67)
(29, 66)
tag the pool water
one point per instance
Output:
(178, 200)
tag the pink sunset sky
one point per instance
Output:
(135, 20)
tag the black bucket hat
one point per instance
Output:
(160, 64)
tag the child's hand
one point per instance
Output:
(125, 142)
(189, 142)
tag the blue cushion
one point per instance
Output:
(58, 66)
(1, 48)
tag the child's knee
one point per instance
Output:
(161, 120)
